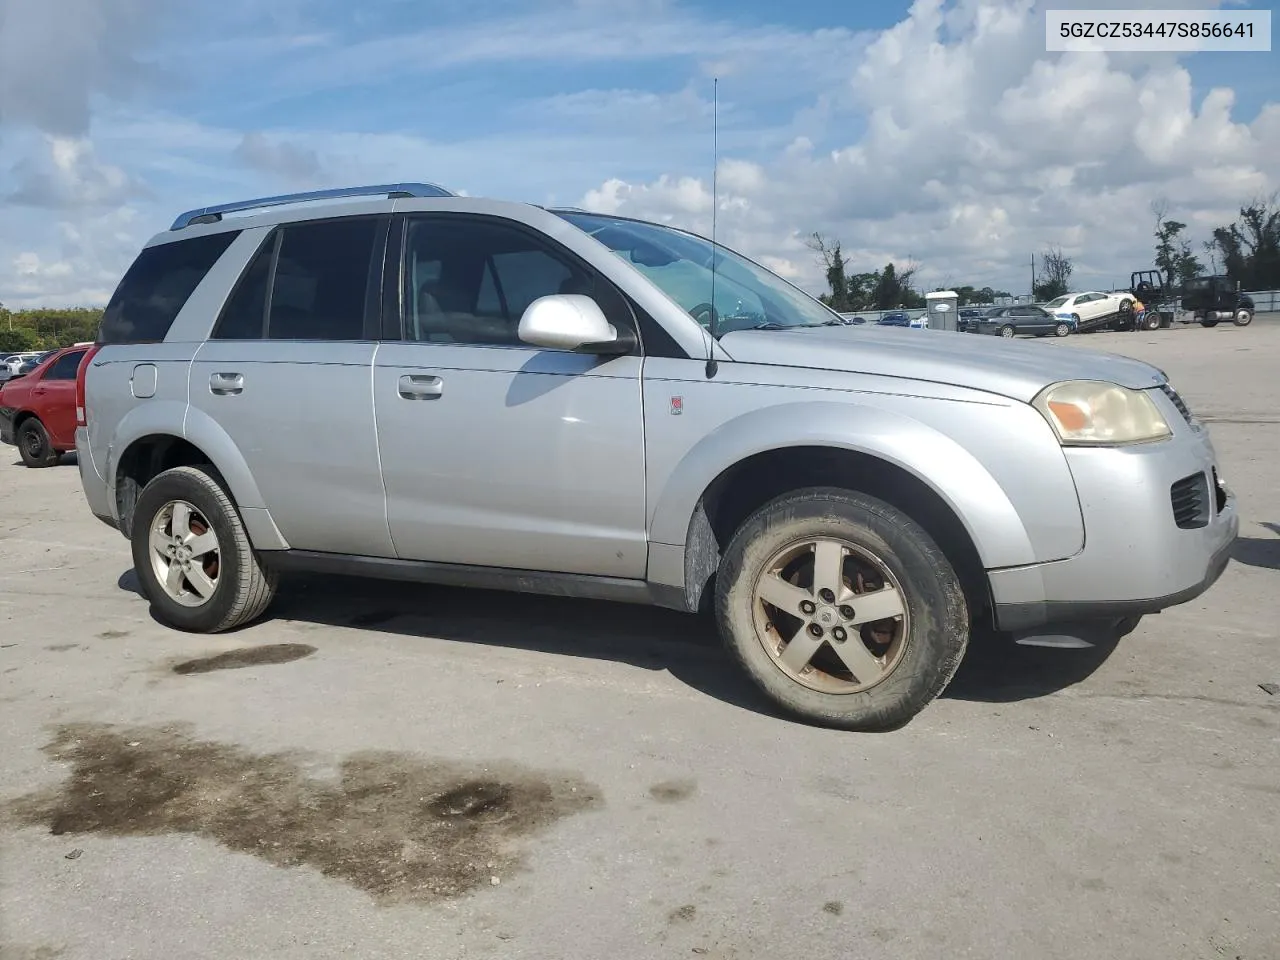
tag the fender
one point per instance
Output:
(950, 470)
(176, 418)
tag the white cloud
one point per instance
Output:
(68, 174)
(981, 149)
(56, 56)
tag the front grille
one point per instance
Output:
(1172, 394)
(1190, 500)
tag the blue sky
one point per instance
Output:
(939, 133)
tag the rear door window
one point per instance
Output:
(156, 287)
(313, 280)
(65, 367)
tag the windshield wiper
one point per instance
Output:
(769, 325)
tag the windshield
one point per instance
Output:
(1057, 303)
(746, 294)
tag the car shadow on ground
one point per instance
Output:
(1259, 551)
(994, 670)
(66, 460)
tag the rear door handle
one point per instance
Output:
(421, 388)
(224, 384)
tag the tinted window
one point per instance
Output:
(64, 368)
(470, 281)
(321, 280)
(156, 287)
(244, 316)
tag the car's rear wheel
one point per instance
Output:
(1007, 331)
(842, 609)
(193, 557)
(1062, 329)
(34, 444)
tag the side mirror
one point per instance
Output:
(572, 321)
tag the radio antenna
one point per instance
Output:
(715, 205)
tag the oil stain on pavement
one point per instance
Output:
(402, 829)
(247, 657)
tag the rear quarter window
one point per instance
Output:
(157, 285)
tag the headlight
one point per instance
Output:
(1094, 413)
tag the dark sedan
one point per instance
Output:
(894, 320)
(1027, 318)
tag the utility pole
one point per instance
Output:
(1033, 278)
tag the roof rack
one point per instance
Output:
(390, 190)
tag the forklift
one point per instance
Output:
(1157, 296)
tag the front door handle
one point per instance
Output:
(421, 388)
(225, 384)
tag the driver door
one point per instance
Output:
(494, 452)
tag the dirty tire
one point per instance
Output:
(1062, 330)
(244, 588)
(935, 603)
(1151, 321)
(34, 444)
(1007, 331)
(1243, 317)
(1206, 322)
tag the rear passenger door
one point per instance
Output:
(287, 373)
(494, 452)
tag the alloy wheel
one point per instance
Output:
(831, 615)
(185, 554)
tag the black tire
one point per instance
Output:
(1007, 331)
(938, 615)
(1151, 321)
(1126, 306)
(34, 444)
(1243, 317)
(1206, 322)
(244, 587)
(1062, 330)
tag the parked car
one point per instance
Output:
(491, 394)
(11, 366)
(966, 316)
(898, 319)
(1024, 318)
(1085, 309)
(38, 409)
(1211, 300)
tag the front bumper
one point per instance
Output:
(1137, 558)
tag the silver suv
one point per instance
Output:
(445, 389)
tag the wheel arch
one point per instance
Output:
(157, 436)
(750, 460)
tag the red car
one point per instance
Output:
(38, 410)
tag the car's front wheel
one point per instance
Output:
(192, 555)
(34, 444)
(842, 609)
(1062, 329)
(1243, 317)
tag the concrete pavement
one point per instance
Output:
(428, 772)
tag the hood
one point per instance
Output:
(1010, 368)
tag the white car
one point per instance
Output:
(1083, 307)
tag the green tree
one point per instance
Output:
(1055, 277)
(1173, 250)
(834, 263)
(18, 340)
(1250, 248)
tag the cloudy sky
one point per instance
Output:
(939, 132)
